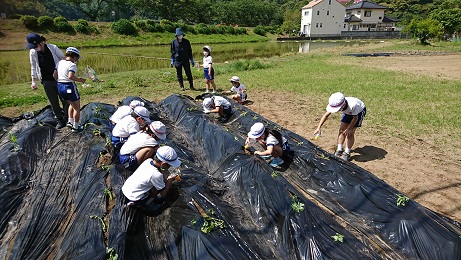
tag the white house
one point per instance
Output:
(367, 16)
(322, 18)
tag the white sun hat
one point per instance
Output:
(335, 102)
(234, 78)
(159, 129)
(256, 130)
(168, 155)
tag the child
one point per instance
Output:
(239, 89)
(151, 178)
(65, 74)
(129, 125)
(272, 141)
(354, 111)
(123, 111)
(217, 104)
(142, 145)
(208, 71)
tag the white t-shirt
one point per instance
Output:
(271, 140)
(126, 127)
(354, 106)
(207, 61)
(239, 90)
(120, 113)
(136, 142)
(64, 67)
(220, 101)
(142, 180)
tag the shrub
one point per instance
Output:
(167, 26)
(82, 26)
(259, 30)
(45, 22)
(123, 26)
(29, 21)
(202, 28)
(58, 19)
(14, 16)
(64, 27)
(141, 24)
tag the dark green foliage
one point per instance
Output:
(45, 22)
(62, 25)
(123, 26)
(29, 21)
(152, 26)
(82, 26)
(424, 30)
(59, 19)
(167, 26)
(141, 24)
(259, 30)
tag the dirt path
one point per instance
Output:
(424, 173)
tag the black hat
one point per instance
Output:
(33, 40)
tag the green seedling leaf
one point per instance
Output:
(110, 254)
(338, 237)
(255, 117)
(402, 200)
(236, 138)
(274, 174)
(243, 114)
(14, 140)
(300, 143)
(296, 205)
(109, 194)
(103, 225)
(105, 168)
(193, 222)
(211, 223)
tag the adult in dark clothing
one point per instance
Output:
(43, 59)
(181, 54)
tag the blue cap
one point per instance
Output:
(179, 32)
(33, 40)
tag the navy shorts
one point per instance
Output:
(118, 141)
(205, 74)
(139, 203)
(227, 111)
(348, 118)
(129, 161)
(68, 91)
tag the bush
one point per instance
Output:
(82, 26)
(141, 24)
(29, 21)
(259, 30)
(64, 27)
(123, 26)
(202, 28)
(167, 26)
(45, 22)
(14, 16)
(59, 19)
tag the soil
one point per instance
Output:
(429, 175)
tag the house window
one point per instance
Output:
(318, 12)
(329, 2)
(344, 26)
(359, 12)
(320, 25)
(355, 27)
(380, 18)
(317, 25)
(306, 13)
(328, 12)
(367, 13)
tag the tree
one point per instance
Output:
(424, 30)
(450, 19)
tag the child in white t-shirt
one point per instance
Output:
(65, 75)
(208, 71)
(354, 111)
(123, 111)
(239, 89)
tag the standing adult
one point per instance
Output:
(181, 54)
(43, 60)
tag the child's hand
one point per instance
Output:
(172, 177)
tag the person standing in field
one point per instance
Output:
(208, 70)
(181, 54)
(354, 111)
(67, 89)
(43, 59)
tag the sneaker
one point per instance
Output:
(345, 156)
(214, 91)
(276, 162)
(60, 124)
(265, 157)
(207, 91)
(338, 153)
(78, 129)
(69, 124)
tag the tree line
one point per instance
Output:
(284, 15)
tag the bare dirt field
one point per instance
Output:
(429, 175)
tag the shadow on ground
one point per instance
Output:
(368, 153)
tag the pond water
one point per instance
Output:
(117, 59)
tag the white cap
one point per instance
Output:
(136, 103)
(142, 112)
(159, 129)
(74, 50)
(256, 130)
(234, 78)
(335, 102)
(207, 104)
(168, 155)
(207, 47)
